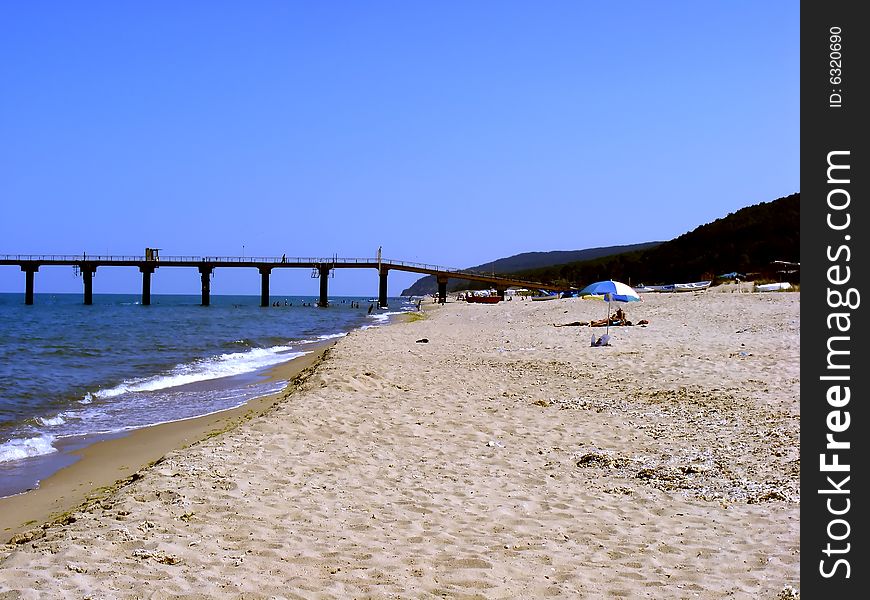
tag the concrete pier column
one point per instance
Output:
(442, 290)
(146, 284)
(382, 289)
(264, 285)
(500, 292)
(205, 275)
(324, 286)
(87, 272)
(29, 269)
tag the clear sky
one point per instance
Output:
(449, 133)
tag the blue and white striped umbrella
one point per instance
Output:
(611, 290)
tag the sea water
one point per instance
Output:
(71, 374)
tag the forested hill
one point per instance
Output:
(745, 241)
(523, 262)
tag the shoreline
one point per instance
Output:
(108, 464)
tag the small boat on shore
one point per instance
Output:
(696, 286)
(642, 289)
(482, 299)
(773, 287)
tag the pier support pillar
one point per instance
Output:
(87, 272)
(382, 289)
(146, 284)
(500, 292)
(205, 276)
(324, 286)
(442, 290)
(29, 269)
(264, 285)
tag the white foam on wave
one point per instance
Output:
(232, 401)
(49, 421)
(382, 318)
(330, 336)
(164, 406)
(20, 448)
(224, 365)
(322, 338)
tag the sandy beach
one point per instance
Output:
(472, 451)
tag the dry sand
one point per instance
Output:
(504, 458)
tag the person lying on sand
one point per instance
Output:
(617, 318)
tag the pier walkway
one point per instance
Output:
(86, 265)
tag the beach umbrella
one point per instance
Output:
(611, 291)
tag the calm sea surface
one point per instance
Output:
(70, 373)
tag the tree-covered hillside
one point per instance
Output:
(746, 241)
(522, 262)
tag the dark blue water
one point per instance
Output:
(70, 372)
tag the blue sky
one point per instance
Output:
(450, 133)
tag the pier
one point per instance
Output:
(86, 266)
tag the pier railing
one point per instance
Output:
(71, 258)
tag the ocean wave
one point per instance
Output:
(385, 317)
(245, 343)
(70, 351)
(49, 421)
(224, 365)
(20, 448)
(330, 336)
(163, 406)
(322, 338)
